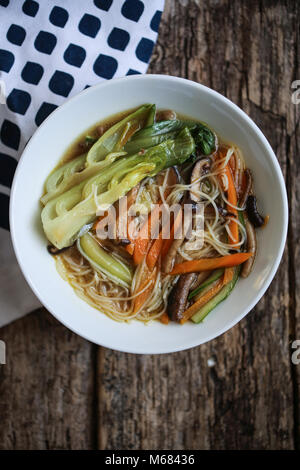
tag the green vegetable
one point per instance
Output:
(204, 139)
(104, 262)
(116, 136)
(241, 218)
(155, 134)
(90, 140)
(73, 178)
(151, 116)
(65, 215)
(222, 295)
(57, 179)
(161, 131)
(104, 151)
(215, 275)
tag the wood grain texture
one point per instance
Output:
(241, 390)
(46, 387)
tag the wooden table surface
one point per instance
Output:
(58, 391)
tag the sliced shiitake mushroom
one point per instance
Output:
(200, 168)
(248, 188)
(165, 115)
(251, 247)
(254, 216)
(55, 251)
(178, 296)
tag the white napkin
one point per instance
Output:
(49, 51)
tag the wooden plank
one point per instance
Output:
(293, 188)
(237, 391)
(46, 386)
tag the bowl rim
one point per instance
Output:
(258, 135)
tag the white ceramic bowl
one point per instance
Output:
(48, 145)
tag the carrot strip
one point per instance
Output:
(141, 299)
(231, 163)
(164, 318)
(187, 314)
(232, 199)
(142, 240)
(154, 252)
(207, 264)
(228, 275)
(130, 248)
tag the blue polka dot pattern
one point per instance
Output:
(118, 39)
(18, 101)
(43, 112)
(105, 66)
(144, 49)
(32, 73)
(45, 42)
(10, 134)
(16, 34)
(154, 25)
(89, 25)
(8, 167)
(30, 8)
(61, 83)
(103, 4)
(6, 60)
(133, 9)
(4, 211)
(4, 3)
(59, 17)
(132, 72)
(74, 55)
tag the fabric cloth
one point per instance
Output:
(49, 51)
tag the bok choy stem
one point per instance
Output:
(103, 261)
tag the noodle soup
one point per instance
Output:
(151, 216)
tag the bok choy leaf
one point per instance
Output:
(114, 139)
(164, 130)
(155, 134)
(205, 139)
